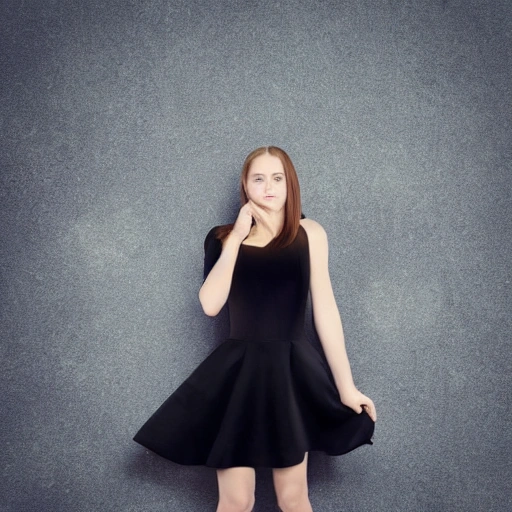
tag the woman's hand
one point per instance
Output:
(260, 215)
(243, 222)
(357, 401)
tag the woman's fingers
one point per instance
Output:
(243, 222)
(370, 410)
(259, 213)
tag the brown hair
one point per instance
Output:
(292, 206)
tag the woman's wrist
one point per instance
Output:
(234, 239)
(347, 390)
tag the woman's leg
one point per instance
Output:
(291, 485)
(236, 489)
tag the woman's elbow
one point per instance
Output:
(209, 309)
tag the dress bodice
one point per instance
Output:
(269, 289)
(268, 295)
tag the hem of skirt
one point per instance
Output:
(287, 464)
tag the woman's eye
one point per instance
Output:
(278, 178)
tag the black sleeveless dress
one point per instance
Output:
(263, 397)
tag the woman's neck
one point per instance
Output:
(270, 227)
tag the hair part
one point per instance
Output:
(292, 206)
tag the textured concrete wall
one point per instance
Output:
(123, 128)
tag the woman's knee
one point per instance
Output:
(292, 498)
(239, 502)
(236, 489)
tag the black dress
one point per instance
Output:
(264, 396)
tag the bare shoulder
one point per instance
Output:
(314, 230)
(318, 250)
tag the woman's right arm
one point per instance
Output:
(215, 290)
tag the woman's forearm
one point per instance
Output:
(215, 290)
(330, 331)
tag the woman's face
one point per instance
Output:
(266, 182)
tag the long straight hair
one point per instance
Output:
(292, 206)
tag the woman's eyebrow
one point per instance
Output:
(261, 174)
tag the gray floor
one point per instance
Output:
(123, 130)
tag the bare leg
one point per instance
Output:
(236, 489)
(291, 485)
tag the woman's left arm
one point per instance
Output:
(328, 322)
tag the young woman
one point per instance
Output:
(264, 398)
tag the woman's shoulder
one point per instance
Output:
(211, 236)
(217, 234)
(216, 230)
(313, 229)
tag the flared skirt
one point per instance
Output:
(255, 404)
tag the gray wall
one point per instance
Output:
(124, 126)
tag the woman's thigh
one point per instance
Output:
(236, 488)
(291, 485)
